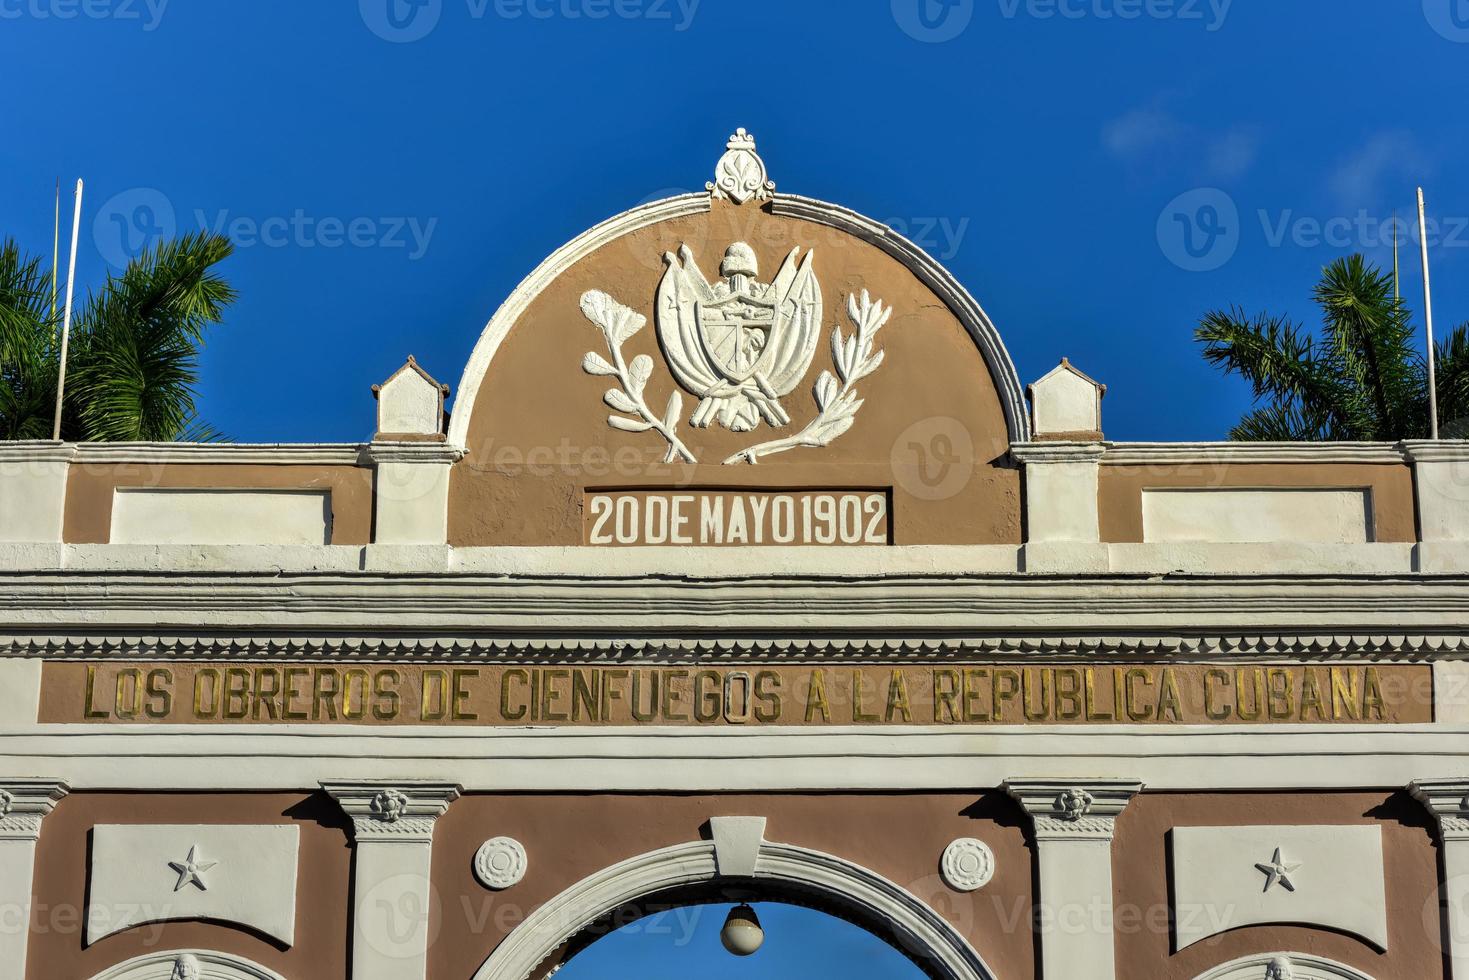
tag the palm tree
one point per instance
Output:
(133, 360)
(1360, 380)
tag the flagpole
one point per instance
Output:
(1428, 319)
(1397, 292)
(71, 275)
(56, 251)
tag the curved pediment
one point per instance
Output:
(739, 338)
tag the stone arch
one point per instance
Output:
(1301, 966)
(923, 266)
(173, 964)
(927, 935)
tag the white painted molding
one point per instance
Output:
(235, 454)
(243, 874)
(24, 803)
(393, 811)
(500, 863)
(1073, 809)
(1448, 802)
(389, 451)
(188, 964)
(393, 828)
(967, 864)
(921, 930)
(737, 843)
(1198, 453)
(1283, 966)
(933, 275)
(1074, 822)
(1042, 453)
(938, 279)
(37, 451)
(1436, 450)
(1186, 758)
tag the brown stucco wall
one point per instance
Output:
(1120, 490)
(89, 489)
(539, 434)
(322, 937)
(898, 835)
(1410, 855)
(569, 837)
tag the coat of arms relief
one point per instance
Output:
(737, 344)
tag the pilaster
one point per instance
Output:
(24, 804)
(393, 827)
(1448, 801)
(1074, 824)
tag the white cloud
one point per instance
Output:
(1140, 132)
(1359, 180)
(1158, 139)
(1233, 152)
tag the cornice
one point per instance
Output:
(36, 452)
(1155, 453)
(24, 803)
(1031, 453)
(269, 454)
(1447, 801)
(1073, 809)
(389, 451)
(1436, 451)
(279, 612)
(619, 648)
(392, 811)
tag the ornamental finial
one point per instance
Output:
(740, 174)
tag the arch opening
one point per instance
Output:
(687, 875)
(677, 934)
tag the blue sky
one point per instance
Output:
(1097, 172)
(683, 943)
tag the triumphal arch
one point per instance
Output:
(742, 568)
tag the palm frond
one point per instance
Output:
(1368, 337)
(137, 341)
(1279, 361)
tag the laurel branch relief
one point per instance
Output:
(738, 345)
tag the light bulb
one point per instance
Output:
(742, 934)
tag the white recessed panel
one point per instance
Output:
(153, 873)
(1228, 877)
(166, 516)
(1254, 516)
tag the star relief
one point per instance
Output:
(1278, 871)
(191, 870)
